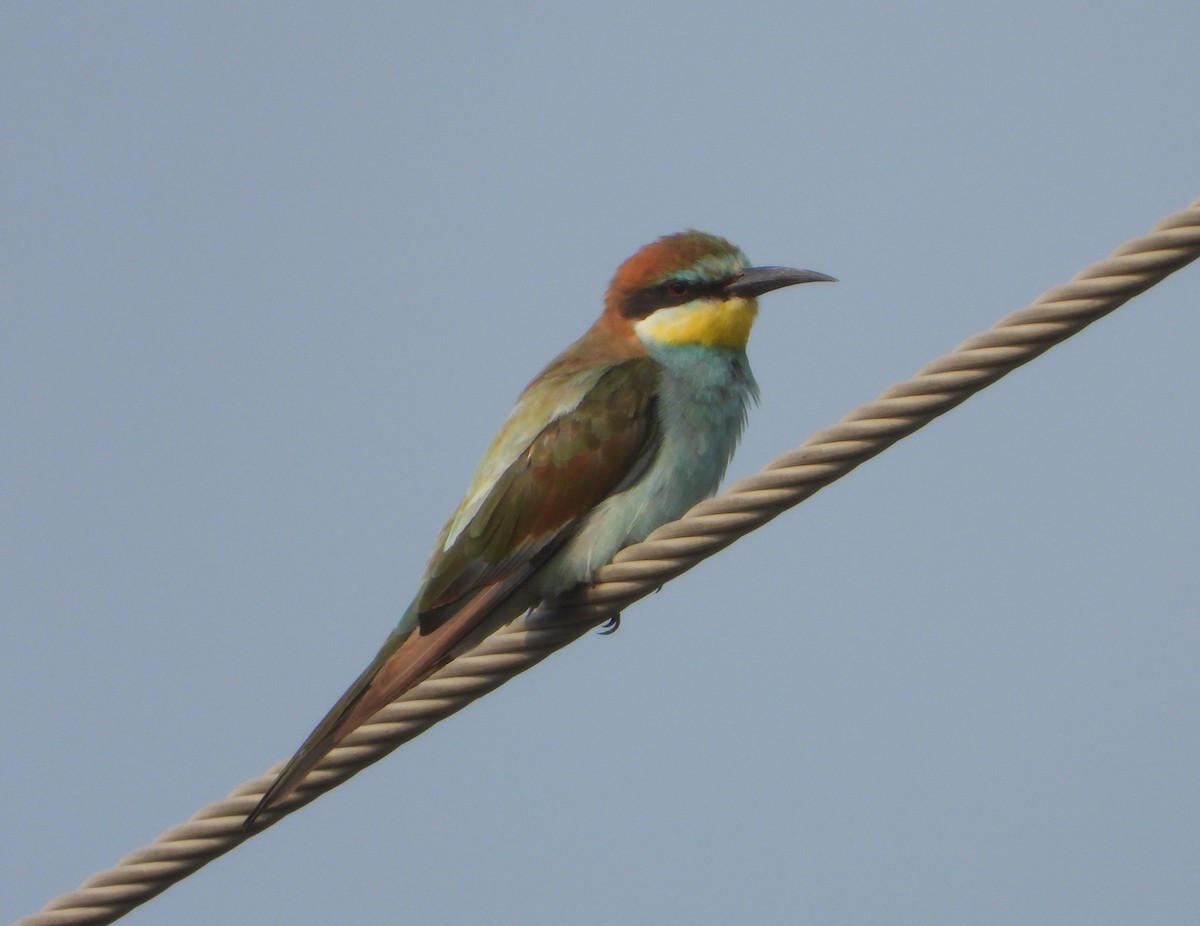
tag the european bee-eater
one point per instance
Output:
(624, 431)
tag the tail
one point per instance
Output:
(407, 656)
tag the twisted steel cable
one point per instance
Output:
(640, 569)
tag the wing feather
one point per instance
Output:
(574, 462)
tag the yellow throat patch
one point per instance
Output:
(708, 323)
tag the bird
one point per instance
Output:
(625, 430)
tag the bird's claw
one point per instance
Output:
(610, 626)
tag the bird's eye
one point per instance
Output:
(678, 288)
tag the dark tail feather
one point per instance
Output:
(327, 734)
(404, 660)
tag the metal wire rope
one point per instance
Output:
(638, 570)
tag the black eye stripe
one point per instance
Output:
(668, 293)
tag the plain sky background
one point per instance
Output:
(272, 276)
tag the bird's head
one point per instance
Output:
(693, 288)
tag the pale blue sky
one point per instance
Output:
(270, 279)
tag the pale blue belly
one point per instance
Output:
(703, 399)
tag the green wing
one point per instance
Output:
(552, 476)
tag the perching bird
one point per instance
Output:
(624, 431)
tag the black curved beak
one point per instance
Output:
(754, 281)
